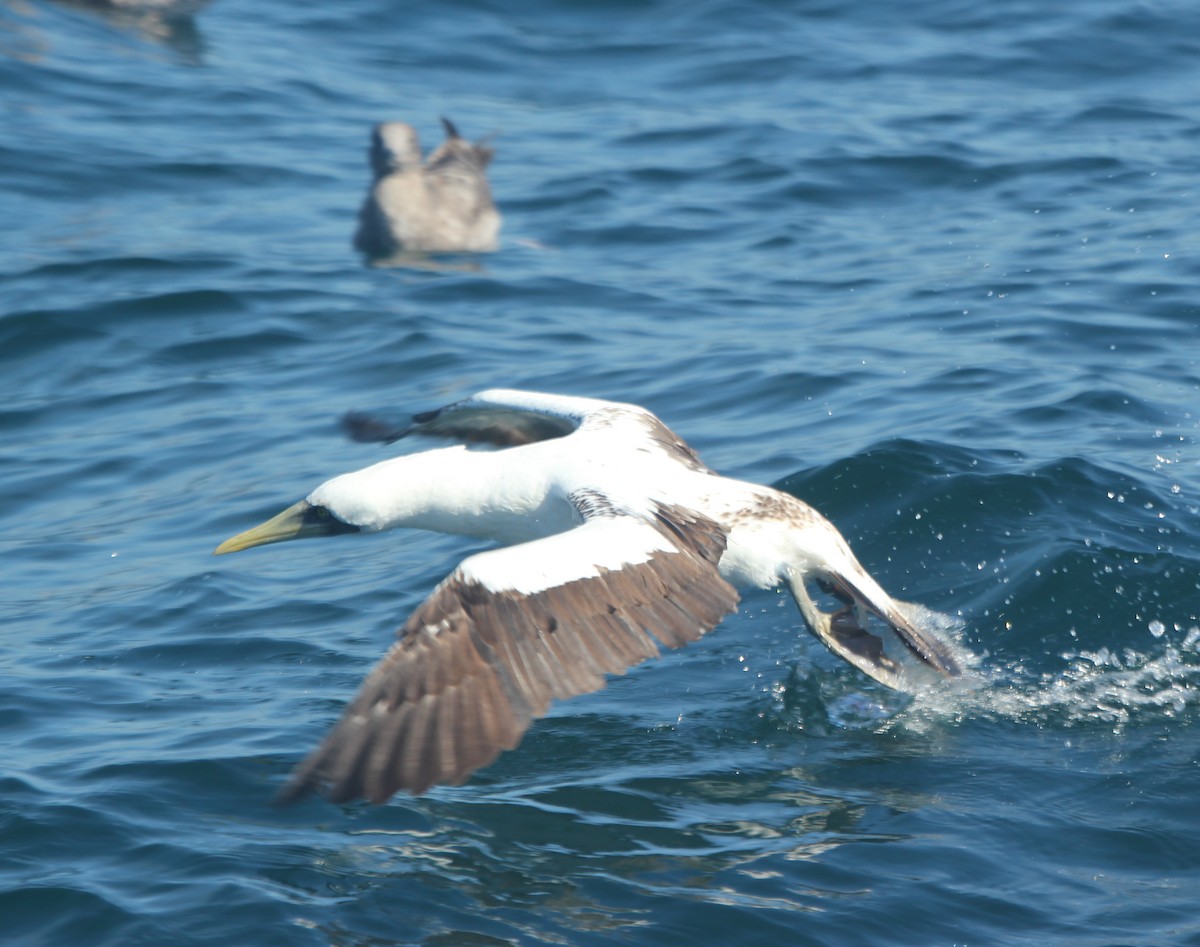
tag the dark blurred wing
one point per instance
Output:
(467, 422)
(369, 429)
(510, 630)
(492, 424)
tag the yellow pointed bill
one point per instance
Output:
(296, 522)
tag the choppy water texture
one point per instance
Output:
(932, 267)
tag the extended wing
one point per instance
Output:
(507, 418)
(510, 630)
(500, 418)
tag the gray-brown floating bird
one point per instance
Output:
(443, 205)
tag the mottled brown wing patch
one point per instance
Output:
(474, 667)
(673, 444)
(661, 436)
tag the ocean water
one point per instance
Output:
(931, 267)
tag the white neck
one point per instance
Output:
(486, 494)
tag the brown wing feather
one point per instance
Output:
(474, 667)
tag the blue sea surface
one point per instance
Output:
(931, 267)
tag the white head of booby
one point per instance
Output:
(622, 540)
(441, 206)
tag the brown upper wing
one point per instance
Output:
(476, 663)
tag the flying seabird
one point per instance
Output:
(442, 206)
(615, 536)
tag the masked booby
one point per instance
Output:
(616, 538)
(442, 206)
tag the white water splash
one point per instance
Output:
(1104, 687)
